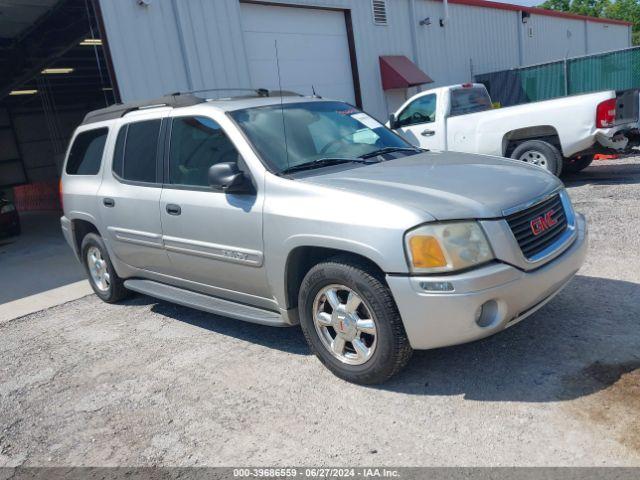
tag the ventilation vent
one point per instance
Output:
(379, 11)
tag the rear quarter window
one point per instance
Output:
(469, 100)
(85, 155)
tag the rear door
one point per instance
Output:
(213, 239)
(130, 195)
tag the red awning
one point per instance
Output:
(398, 71)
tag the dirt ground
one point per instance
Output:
(149, 383)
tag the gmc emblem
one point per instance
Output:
(543, 222)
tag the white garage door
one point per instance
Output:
(313, 50)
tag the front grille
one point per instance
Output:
(526, 223)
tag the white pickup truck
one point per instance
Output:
(555, 134)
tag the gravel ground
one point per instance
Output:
(150, 383)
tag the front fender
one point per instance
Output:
(276, 264)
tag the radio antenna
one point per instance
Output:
(284, 124)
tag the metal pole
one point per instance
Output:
(414, 36)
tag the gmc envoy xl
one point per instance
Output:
(282, 210)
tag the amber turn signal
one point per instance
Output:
(426, 252)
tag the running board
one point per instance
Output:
(199, 301)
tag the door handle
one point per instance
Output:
(173, 209)
(109, 202)
(428, 133)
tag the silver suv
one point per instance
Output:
(279, 209)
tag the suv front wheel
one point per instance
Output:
(102, 276)
(351, 321)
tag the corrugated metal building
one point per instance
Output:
(160, 46)
(62, 58)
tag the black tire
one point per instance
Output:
(115, 290)
(577, 164)
(392, 351)
(551, 154)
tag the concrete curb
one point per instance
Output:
(43, 300)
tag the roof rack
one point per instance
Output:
(175, 100)
(121, 109)
(257, 92)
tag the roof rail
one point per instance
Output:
(174, 100)
(258, 92)
(121, 109)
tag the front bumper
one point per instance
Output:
(434, 320)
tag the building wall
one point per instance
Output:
(550, 38)
(173, 45)
(474, 40)
(602, 37)
(146, 44)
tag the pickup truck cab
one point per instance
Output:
(283, 210)
(552, 133)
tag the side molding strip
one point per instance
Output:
(225, 253)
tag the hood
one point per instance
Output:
(446, 185)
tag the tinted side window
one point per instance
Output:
(421, 110)
(196, 144)
(85, 155)
(136, 149)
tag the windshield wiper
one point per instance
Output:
(384, 150)
(324, 162)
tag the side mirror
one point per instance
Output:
(227, 177)
(393, 121)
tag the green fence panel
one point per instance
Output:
(524, 85)
(543, 82)
(618, 70)
(611, 71)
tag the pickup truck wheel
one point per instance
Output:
(102, 276)
(351, 322)
(540, 153)
(575, 165)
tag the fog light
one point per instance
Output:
(487, 314)
(437, 286)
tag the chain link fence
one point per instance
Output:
(617, 70)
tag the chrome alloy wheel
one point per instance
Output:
(98, 269)
(536, 158)
(344, 324)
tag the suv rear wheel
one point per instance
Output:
(540, 153)
(102, 276)
(351, 322)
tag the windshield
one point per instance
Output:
(314, 131)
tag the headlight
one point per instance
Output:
(7, 208)
(446, 247)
